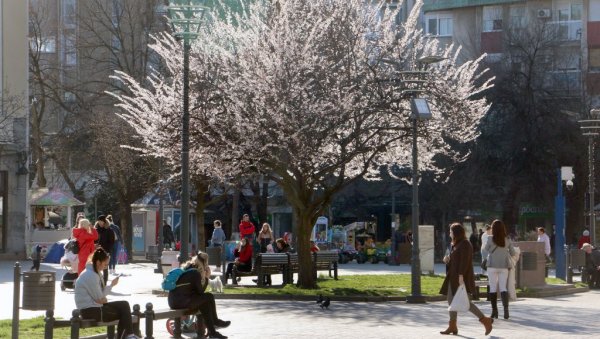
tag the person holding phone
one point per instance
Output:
(91, 292)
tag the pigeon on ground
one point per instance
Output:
(325, 304)
(320, 299)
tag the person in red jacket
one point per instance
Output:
(585, 238)
(246, 228)
(86, 235)
(243, 260)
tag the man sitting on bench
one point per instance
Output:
(592, 265)
(91, 292)
(190, 294)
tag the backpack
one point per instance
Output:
(170, 281)
(72, 245)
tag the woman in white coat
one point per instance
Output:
(500, 251)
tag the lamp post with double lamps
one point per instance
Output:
(185, 17)
(412, 85)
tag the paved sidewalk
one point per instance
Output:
(571, 316)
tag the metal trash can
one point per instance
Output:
(168, 261)
(152, 253)
(38, 290)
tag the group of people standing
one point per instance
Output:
(498, 251)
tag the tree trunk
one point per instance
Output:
(126, 226)
(235, 211)
(201, 189)
(306, 278)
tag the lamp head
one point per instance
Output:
(569, 184)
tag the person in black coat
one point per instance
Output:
(190, 293)
(592, 265)
(106, 239)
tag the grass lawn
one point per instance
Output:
(390, 285)
(34, 328)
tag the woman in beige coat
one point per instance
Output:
(500, 251)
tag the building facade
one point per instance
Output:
(567, 31)
(13, 127)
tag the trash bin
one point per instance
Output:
(152, 253)
(168, 261)
(38, 291)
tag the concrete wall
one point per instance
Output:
(14, 56)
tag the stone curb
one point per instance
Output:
(540, 293)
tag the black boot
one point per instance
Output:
(504, 296)
(494, 301)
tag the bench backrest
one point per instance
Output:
(273, 258)
(577, 258)
(326, 256)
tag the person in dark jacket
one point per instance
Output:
(592, 265)
(190, 293)
(118, 243)
(168, 236)
(459, 271)
(106, 238)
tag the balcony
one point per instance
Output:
(567, 30)
(437, 5)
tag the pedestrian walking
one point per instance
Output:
(459, 271)
(501, 250)
(118, 243)
(106, 238)
(217, 240)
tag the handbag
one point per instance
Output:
(460, 302)
(484, 262)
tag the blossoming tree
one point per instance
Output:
(313, 92)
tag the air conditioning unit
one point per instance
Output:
(544, 13)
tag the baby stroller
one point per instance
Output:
(69, 261)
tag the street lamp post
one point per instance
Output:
(564, 174)
(591, 128)
(185, 17)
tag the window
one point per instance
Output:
(517, 18)
(70, 50)
(439, 24)
(43, 44)
(492, 18)
(568, 20)
(69, 13)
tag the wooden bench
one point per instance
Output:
(264, 264)
(76, 323)
(326, 261)
(150, 314)
(292, 267)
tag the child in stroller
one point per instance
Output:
(69, 262)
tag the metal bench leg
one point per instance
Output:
(75, 324)
(200, 330)
(177, 330)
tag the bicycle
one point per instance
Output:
(188, 325)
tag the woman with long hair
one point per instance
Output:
(190, 293)
(500, 251)
(91, 292)
(265, 236)
(243, 260)
(459, 271)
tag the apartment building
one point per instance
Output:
(13, 127)
(568, 32)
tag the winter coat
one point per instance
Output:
(246, 228)
(461, 263)
(244, 255)
(86, 245)
(499, 257)
(189, 285)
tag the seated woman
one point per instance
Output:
(281, 246)
(190, 294)
(91, 292)
(243, 260)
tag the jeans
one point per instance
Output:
(114, 310)
(113, 256)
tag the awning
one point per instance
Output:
(55, 197)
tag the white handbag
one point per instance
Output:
(460, 302)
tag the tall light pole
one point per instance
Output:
(565, 173)
(591, 128)
(420, 111)
(185, 17)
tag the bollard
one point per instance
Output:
(149, 315)
(110, 332)
(16, 296)
(49, 325)
(136, 326)
(569, 266)
(200, 330)
(177, 329)
(75, 324)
